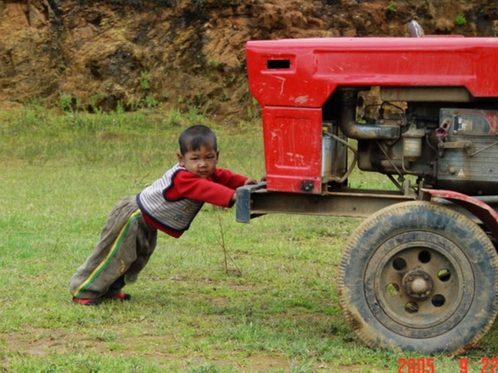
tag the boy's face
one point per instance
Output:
(201, 162)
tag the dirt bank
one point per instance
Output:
(187, 54)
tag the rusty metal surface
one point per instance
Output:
(256, 200)
(483, 211)
(253, 201)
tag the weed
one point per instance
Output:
(35, 102)
(94, 100)
(391, 7)
(226, 255)
(66, 102)
(135, 105)
(174, 118)
(120, 110)
(150, 101)
(460, 20)
(144, 80)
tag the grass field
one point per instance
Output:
(226, 297)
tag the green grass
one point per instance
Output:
(272, 308)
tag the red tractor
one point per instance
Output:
(420, 273)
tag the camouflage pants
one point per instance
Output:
(125, 246)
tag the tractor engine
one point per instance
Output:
(440, 135)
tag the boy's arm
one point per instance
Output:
(233, 180)
(188, 185)
(230, 179)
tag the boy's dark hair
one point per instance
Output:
(196, 136)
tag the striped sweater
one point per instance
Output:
(172, 202)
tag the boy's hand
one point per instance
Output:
(249, 181)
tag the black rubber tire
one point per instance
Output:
(459, 265)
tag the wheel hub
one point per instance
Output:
(418, 284)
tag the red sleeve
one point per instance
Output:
(228, 178)
(188, 185)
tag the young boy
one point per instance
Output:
(169, 205)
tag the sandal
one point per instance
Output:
(96, 301)
(87, 301)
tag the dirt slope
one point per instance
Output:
(185, 53)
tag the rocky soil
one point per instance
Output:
(186, 54)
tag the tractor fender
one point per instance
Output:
(481, 210)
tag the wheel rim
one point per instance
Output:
(411, 252)
(423, 284)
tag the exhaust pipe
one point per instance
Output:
(360, 131)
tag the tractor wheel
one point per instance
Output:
(418, 276)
